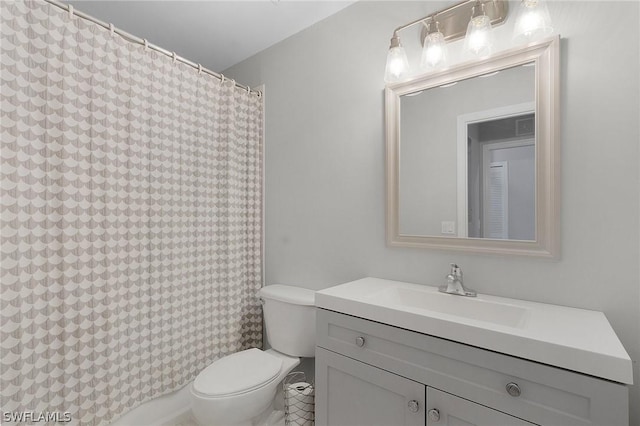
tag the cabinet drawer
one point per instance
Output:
(547, 395)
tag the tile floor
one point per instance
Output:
(275, 419)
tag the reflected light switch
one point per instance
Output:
(448, 227)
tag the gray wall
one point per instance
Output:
(325, 164)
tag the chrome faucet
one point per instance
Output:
(455, 285)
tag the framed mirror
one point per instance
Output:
(473, 155)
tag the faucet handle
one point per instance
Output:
(456, 271)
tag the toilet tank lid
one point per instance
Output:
(288, 294)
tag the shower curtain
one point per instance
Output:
(131, 218)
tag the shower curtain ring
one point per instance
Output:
(146, 44)
(173, 56)
(112, 29)
(222, 77)
(70, 9)
(199, 69)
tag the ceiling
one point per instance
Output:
(216, 34)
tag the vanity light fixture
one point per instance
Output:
(479, 39)
(441, 27)
(434, 51)
(532, 21)
(397, 63)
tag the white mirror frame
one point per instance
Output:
(546, 56)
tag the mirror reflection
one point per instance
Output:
(467, 158)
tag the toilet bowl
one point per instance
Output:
(239, 389)
(233, 391)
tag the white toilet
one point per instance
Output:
(239, 389)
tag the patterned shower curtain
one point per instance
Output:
(131, 218)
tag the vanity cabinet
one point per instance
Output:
(357, 394)
(368, 373)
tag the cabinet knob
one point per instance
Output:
(434, 415)
(360, 341)
(513, 389)
(414, 406)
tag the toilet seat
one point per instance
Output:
(238, 373)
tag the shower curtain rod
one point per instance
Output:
(129, 37)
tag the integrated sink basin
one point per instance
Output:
(574, 339)
(426, 299)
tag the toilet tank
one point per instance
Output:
(290, 319)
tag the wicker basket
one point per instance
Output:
(298, 400)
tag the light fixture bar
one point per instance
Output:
(453, 21)
(450, 24)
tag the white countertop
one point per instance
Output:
(574, 339)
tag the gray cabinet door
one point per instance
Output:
(351, 393)
(447, 409)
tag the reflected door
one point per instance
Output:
(508, 176)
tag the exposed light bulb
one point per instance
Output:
(434, 52)
(532, 21)
(397, 64)
(479, 38)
